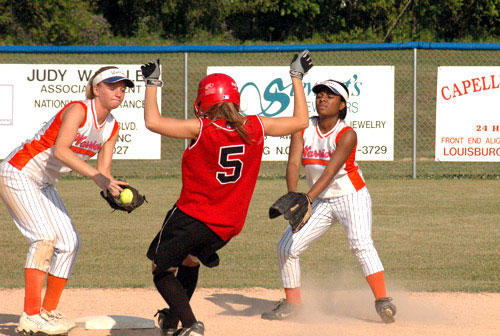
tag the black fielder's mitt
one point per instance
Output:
(296, 208)
(117, 202)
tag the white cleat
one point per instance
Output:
(57, 318)
(197, 329)
(39, 325)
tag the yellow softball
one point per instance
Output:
(126, 196)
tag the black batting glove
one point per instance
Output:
(151, 73)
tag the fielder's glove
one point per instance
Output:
(296, 208)
(116, 203)
(151, 73)
(301, 64)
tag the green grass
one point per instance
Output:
(432, 235)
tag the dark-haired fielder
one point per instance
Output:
(327, 149)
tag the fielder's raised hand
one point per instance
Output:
(301, 64)
(151, 73)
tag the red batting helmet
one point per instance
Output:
(213, 89)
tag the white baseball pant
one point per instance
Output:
(42, 218)
(354, 212)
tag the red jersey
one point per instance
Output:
(219, 172)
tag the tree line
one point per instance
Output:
(153, 22)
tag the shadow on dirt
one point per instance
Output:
(240, 305)
(8, 324)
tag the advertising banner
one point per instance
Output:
(468, 114)
(32, 93)
(267, 91)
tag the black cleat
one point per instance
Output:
(385, 309)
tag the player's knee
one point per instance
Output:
(161, 267)
(191, 261)
(287, 251)
(42, 253)
(159, 274)
(281, 250)
(356, 251)
(360, 247)
(73, 243)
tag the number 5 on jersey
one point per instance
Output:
(235, 166)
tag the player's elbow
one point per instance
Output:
(300, 126)
(149, 124)
(301, 123)
(304, 123)
(303, 117)
(59, 152)
(152, 125)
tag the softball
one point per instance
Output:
(126, 196)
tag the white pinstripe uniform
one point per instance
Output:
(27, 178)
(346, 199)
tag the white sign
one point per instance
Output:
(267, 91)
(468, 114)
(32, 93)
(7, 99)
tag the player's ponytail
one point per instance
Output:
(229, 111)
(89, 90)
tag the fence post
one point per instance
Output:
(185, 92)
(414, 113)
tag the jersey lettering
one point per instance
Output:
(226, 162)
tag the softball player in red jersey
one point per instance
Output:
(327, 149)
(28, 175)
(219, 173)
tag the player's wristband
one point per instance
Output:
(296, 74)
(154, 82)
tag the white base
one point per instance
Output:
(107, 322)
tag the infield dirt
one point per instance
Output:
(230, 312)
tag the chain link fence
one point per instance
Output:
(406, 163)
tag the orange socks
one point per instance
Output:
(377, 284)
(33, 280)
(55, 287)
(375, 280)
(293, 295)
